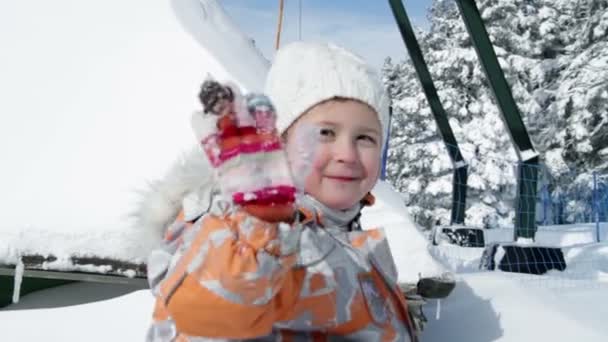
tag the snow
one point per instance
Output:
(555, 163)
(207, 22)
(557, 235)
(570, 235)
(76, 312)
(497, 307)
(408, 244)
(93, 111)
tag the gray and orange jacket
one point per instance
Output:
(227, 275)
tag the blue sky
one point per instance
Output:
(366, 27)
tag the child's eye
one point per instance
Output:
(327, 133)
(367, 138)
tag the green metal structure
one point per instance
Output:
(525, 219)
(525, 224)
(459, 179)
(35, 279)
(28, 286)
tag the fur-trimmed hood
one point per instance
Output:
(188, 185)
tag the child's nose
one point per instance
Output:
(346, 152)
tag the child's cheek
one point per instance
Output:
(313, 177)
(317, 163)
(320, 160)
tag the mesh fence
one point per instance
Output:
(528, 220)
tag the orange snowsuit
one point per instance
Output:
(229, 275)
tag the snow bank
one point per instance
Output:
(584, 262)
(130, 246)
(408, 244)
(556, 235)
(571, 234)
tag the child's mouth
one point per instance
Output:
(342, 178)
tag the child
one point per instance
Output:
(226, 274)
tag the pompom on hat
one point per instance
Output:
(306, 74)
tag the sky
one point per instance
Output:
(366, 27)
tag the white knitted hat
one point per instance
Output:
(305, 74)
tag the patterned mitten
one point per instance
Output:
(239, 138)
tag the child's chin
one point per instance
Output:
(339, 203)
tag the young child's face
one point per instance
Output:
(347, 160)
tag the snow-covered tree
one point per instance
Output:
(557, 78)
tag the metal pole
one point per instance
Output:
(596, 207)
(525, 219)
(546, 202)
(385, 152)
(279, 26)
(459, 180)
(300, 20)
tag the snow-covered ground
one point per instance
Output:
(97, 104)
(586, 258)
(581, 233)
(499, 307)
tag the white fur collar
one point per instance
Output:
(188, 183)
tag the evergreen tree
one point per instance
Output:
(557, 79)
